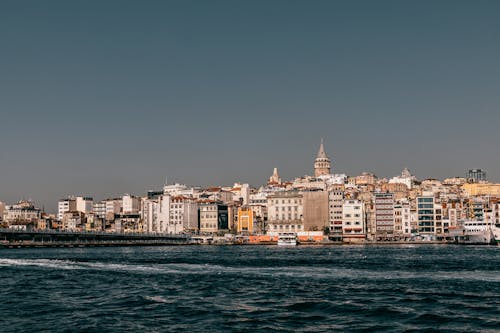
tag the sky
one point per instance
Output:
(102, 98)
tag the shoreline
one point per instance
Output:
(12, 245)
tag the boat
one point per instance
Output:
(474, 232)
(287, 239)
(495, 229)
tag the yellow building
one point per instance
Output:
(482, 189)
(245, 220)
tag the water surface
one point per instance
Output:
(250, 289)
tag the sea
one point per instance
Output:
(389, 288)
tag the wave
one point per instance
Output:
(305, 272)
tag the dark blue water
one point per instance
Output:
(250, 289)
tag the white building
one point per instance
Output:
(64, 206)
(149, 214)
(130, 204)
(402, 219)
(405, 178)
(84, 204)
(180, 190)
(113, 206)
(183, 215)
(99, 209)
(74, 204)
(353, 220)
(22, 211)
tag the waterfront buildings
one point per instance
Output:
(213, 217)
(245, 220)
(353, 221)
(337, 206)
(285, 212)
(74, 204)
(384, 215)
(429, 216)
(21, 212)
(315, 210)
(130, 204)
(335, 211)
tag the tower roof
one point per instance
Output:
(321, 151)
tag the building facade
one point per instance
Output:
(285, 212)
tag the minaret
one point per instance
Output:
(322, 162)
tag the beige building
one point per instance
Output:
(482, 189)
(315, 208)
(213, 216)
(22, 211)
(336, 196)
(285, 212)
(366, 178)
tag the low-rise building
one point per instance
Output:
(245, 220)
(213, 216)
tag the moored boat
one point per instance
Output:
(287, 239)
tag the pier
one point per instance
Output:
(17, 238)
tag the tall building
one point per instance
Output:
(64, 206)
(322, 162)
(183, 215)
(402, 219)
(130, 204)
(384, 215)
(353, 220)
(315, 210)
(335, 204)
(84, 204)
(429, 215)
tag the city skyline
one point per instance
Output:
(111, 98)
(317, 170)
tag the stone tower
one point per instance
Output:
(322, 162)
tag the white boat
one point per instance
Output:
(474, 232)
(287, 239)
(495, 229)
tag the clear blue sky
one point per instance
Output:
(106, 97)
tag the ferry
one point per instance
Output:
(474, 232)
(287, 239)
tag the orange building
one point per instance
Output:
(245, 220)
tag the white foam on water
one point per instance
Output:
(157, 299)
(307, 272)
